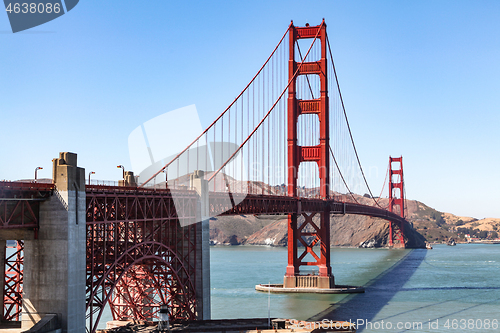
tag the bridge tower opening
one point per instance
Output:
(396, 200)
(309, 233)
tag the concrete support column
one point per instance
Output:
(54, 263)
(128, 179)
(198, 183)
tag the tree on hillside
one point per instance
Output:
(438, 217)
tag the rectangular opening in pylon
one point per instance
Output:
(395, 165)
(395, 179)
(396, 193)
(308, 87)
(303, 45)
(308, 130)
(308, 182)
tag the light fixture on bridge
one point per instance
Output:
(166, 176)
(123, 168)
(36, 172)
(91, 173)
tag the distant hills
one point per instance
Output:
(426, 225)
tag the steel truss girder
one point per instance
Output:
(220, 204)
(20, 203)
(139, 233)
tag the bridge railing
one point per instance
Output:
(103, 182)
(26, 185)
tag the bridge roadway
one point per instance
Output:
(19, 203)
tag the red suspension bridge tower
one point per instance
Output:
(308, 233)
(396, 200)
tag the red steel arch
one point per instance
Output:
(121, 287)
(136, 242)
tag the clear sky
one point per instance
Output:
(419, 78)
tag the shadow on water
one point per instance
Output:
(378, 291)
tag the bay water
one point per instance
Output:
(449, 288)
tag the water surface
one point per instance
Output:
(444, 289)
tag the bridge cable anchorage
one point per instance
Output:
(222, 114)
(271, 109)
(347, 121)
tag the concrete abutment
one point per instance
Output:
(54, 276)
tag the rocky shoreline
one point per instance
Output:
(345, 231)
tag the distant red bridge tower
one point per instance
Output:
(396, 200)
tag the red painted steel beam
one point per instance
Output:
(308, 106)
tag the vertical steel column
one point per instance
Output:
(13, 283)
(293, 162)
(318, 153)
(396, 198)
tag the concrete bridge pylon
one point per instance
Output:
(54, 262)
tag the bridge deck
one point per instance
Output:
(19, 202)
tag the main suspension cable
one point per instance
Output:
(272, 107)
(341, 175)
(222, 114)
(347, 121)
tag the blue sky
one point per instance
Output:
(419, 78)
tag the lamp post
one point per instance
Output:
(165, 171)
(36, 172)
(91, 173)
(123, 168)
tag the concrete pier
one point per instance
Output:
(54, 263)
(280, 289)
(309, 281)
(198, 183)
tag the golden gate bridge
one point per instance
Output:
(283, 146)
